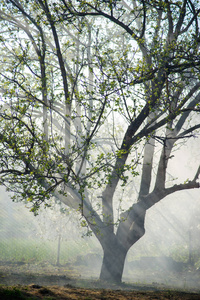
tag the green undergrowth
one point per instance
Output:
(14, 293)
(11, 293)
(37, 251)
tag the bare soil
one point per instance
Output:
(60, 293)
(22, 281)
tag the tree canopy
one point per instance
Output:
(89, 90)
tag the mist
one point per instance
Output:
(54, 244)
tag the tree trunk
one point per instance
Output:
(113, 263)
(58, 251)
(116, 246)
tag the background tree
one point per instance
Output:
(89, 90)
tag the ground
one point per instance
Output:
(21, 281)
(64, 293)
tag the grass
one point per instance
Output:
(10, 294)
(38, 250)
(13, 293)
(24, 250)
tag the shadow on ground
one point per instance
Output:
(20, 280)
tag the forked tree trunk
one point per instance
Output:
(113, 263)
(116, 246)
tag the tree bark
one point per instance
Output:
(113, 263)
(116, 246)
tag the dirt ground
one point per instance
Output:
(22, 282)
(63, 293)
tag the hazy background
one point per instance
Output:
(172, 235)
(55, 243)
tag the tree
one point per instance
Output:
(89, 90)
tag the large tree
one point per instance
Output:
(89, 90)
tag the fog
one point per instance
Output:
(55, 243)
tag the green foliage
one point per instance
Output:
(180, 253)
(20, 250)
(120, 74)
(36, 251)
(89, 91)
